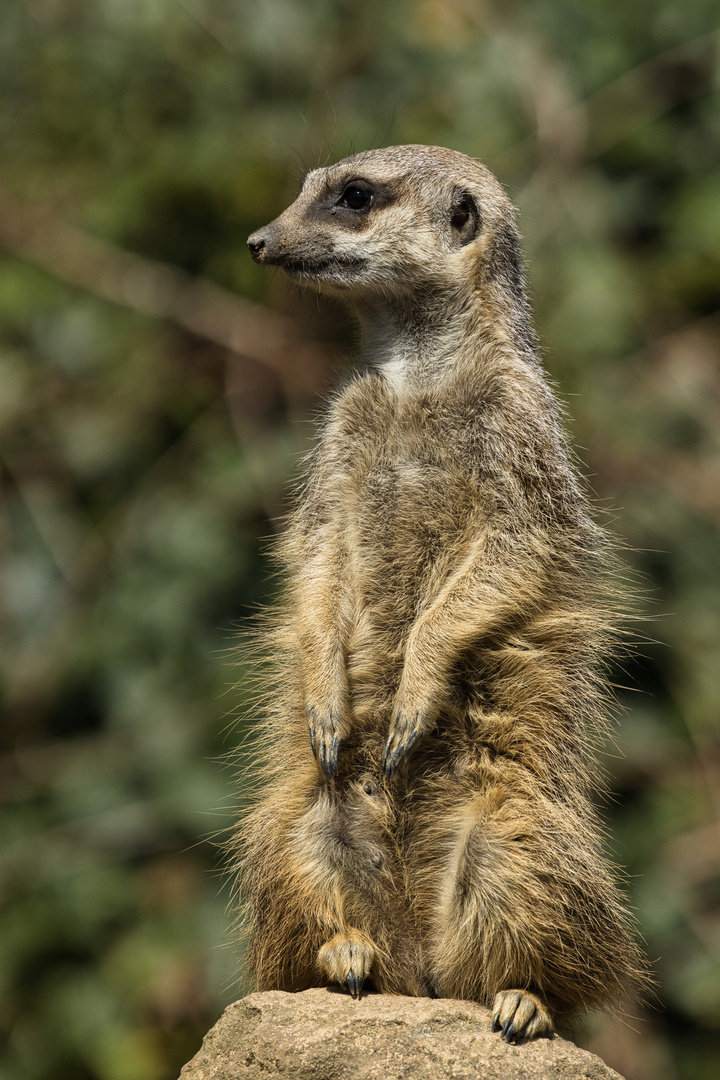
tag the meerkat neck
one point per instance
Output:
(414, 348)
(417, 348)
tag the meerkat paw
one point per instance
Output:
(520, 1015)
(405, 730)
(325, 738)
(346, 959)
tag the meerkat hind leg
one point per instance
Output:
(520, 1015)
(347, 959)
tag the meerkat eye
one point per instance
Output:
(355, 198)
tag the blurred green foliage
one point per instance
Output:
(149, 424)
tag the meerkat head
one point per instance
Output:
(386, 224)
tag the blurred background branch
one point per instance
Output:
(158, 289)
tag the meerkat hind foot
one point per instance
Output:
(520, 1015)
(346, 959)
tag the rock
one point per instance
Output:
(324, 1035)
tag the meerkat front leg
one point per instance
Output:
(326, 696)
(320, 606)
(420, 695)
(485, 589)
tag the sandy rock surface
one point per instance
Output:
(325, 1035)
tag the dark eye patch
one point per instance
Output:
(357, 198)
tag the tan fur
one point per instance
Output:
(443, 630)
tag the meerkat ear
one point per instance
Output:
(464, 217)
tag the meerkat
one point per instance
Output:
(426, 819)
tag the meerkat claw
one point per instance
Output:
(391, 764)
(333, 756)
(394, 754)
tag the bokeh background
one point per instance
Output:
(157, 390)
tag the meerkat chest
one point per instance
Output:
(406, 488)
(410, 499)
(405, 493)
(404, 468)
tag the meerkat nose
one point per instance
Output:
(257, 246)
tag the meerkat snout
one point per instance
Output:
(257, 246)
